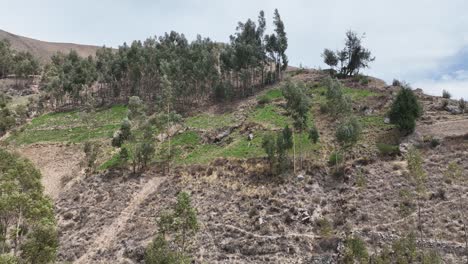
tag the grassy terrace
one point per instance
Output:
(71, 126)
(187, 147)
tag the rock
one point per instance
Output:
(453, 110)
(386, 120)
(368, 111)
(222, 135)
(404, 147)
(175, 129)
(161, 137)
(300, 177)
(260, 221)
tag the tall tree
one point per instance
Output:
(277, 44)
(353, 57)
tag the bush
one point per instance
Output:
(91, 150)
(362, 79)
(335, 158)
(355, 250)
(445, 103)
(337, 102)
(434, 142)
(314, 134)
(396, 82)
(268, 144)
(405, 110)
(446, 94)
(462, 105)
(387, 149)
(348, 132)
(325, 227)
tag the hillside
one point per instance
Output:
(247, 215)
(43, 49)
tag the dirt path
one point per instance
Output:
(59, 164)
(107, 237)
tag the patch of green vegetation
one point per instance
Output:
(357, 94)
(189, 138)
(374, 121)
(209, 121)
(111, 163)
(192, 152)
(274, 94)
(303, 143)
(71, 126)
(270, 116)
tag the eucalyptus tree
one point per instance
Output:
(28, 228)
(277, 44)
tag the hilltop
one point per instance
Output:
(43, 50)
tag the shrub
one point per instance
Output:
(405, 110)
(325, 227)
(454, 171)
(348, 132)
(434, 142)
(446, 94)
(337, 102)
(462, 105)
(91, 150)
(355, 250)
(335, 158)
(268, 144)
(445, 103)
(298, 103)
(396, 82)
(387, 149)
(362, 79)
(406, 205)
(314, 134)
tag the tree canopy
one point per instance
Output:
(159, 68)
(27, 222)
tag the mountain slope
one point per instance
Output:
(44, 50)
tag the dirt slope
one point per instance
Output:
(59, 164)
(44, 50)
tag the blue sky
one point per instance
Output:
(424, 42)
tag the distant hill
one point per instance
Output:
(44, 50)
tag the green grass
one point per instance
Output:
(71, 126)
(357, 94)
(274, 94)
(374, 121)
(208, 121)
(270, 116)
(238, 148)
(111, 163)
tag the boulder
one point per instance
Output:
(453, 110)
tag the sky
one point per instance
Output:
(423, 42)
